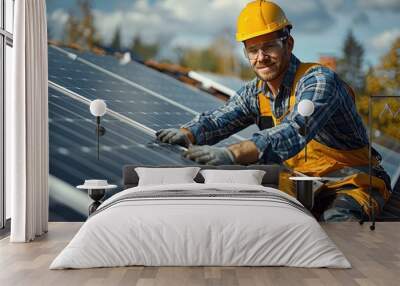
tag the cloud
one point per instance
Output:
(361, 19)
(388, 5)
(308, 16)
(384, 40)
(194, 22)
(56, 22)
(357, 6)
(335, 5)
(169, 18)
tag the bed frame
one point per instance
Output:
(271, 177)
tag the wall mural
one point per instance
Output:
(141, 100)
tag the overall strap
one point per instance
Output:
(302, 69)
(267, 119)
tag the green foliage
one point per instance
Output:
(198, 59)
(350, 65)
(144, 50)
(72, 33)
(116, 40)
(246, 72)
(384, 80)
(81, 30)
(220, 57)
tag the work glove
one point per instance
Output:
(173, 136)
(210, 155)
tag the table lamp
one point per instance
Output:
(306, 109)
(98, 108)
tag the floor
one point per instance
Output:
(375, 256)
(5, 231)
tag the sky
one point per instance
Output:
(320, 26)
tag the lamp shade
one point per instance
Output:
(98, 107)
(305, 107)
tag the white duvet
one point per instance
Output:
(219, 231)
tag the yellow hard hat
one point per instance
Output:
(258, 18)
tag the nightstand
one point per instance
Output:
(96, 191)
(304, 190)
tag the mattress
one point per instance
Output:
(201, 225)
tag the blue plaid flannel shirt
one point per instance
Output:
(334, 123)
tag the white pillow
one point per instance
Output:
(164, 176)
(248, 177)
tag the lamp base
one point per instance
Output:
(100, 130)
(305, 193)
(97, 195)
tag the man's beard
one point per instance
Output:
(271, 74)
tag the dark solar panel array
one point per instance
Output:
(156, 81)
(155, 112)
(389, 148)
(390, 161)
(119, 96)
(73, 145)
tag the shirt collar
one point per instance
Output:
(291, 72)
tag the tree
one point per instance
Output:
(72, 33)
(144, 50)
(219, 57)
(350, 65)
(81, 30)
(223, 47)
(384, 79)
(246, 72)
(116, 40)
(90, 38)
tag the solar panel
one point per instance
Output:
(73, 145)
(186, 97)
(390, 161)
(156, 81)
(119, 96)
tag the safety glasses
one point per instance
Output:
(267, 48)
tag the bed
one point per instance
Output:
(197, 224)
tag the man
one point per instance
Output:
(336, 138)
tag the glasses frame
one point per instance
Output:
(277, 40)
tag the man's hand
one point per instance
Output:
(173, 136)
(210, 155)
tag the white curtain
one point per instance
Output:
(27, 123)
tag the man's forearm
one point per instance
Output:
(188, 134)
(245, 152)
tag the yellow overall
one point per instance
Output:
(323, 160)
